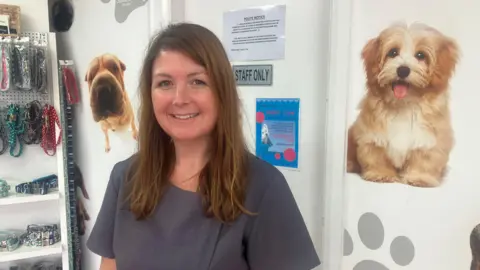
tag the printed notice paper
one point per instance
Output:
(255, 33)
(277, 131)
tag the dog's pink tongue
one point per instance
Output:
(400, 91)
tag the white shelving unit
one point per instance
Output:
(30, 253)
(18, 211)
(25, 198)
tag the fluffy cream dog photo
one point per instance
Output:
(403, 132)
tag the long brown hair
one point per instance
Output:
(223, 181)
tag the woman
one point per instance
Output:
(193, 197)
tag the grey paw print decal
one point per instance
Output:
(123, 8)
(475, 247)
(372, 236)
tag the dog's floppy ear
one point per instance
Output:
(96, 118)
(371, 57)
(447, 58)
(91, 70)
(122, 65)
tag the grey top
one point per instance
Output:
(180, 237)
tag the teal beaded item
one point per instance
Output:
(4, 188)
(16, 129)
(3, 138)
(9, 240)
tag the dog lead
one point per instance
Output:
(49, 142)
(6, 52)
(70, 82)
(16, 128)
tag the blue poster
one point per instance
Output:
(277, 131)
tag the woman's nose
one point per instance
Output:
(181, 95)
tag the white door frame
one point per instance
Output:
(336, 131)
(163, 12)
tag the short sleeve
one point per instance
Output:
(100, 241)
(279, 238)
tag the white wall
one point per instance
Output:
(301, 74)
(95, 31)
(438, 221)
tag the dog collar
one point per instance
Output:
(41, 235)
(9, 240)
(39, 186)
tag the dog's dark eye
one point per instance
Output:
(393, 53)
(420, 55)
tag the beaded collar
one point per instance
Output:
(3, 138)
(16, 128)
(49, 141)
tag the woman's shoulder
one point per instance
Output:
(120, 170)
(259, 168)
(262, 177)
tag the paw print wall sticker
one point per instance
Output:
(123, 8)
(372, 235)
(475, 247)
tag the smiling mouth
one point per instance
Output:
(184, 116)
(400, 89)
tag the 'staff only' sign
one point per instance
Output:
(253, 75)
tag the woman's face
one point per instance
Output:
(183, 102)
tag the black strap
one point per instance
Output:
(33, 123)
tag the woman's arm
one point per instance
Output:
(108, 264)
(100, 240)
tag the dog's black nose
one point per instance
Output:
(403, 72)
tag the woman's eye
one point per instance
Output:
(164, 84)
(198, 82)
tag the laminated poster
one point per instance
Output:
(256, 33)
(277, 131)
